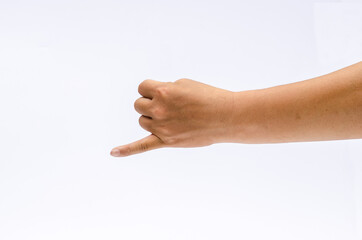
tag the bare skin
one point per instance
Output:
(187, 113)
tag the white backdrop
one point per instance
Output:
(69, 72)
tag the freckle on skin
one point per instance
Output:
(297, 116)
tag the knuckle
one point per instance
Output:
(182, 80)
(142, 85)
(159, 113)
(166, 132)
(170, 140)
(135, 104)
(162, 91)
(128, 151)
(143, 146)
(145, 124)
(141, 121)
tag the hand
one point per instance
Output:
(184, 113)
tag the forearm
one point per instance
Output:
(327, 107)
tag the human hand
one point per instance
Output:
(184, 113)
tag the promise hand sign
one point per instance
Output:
(184, 113)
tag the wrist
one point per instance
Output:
(247, 113)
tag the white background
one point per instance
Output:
(69, 72)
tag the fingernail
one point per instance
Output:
(115, 152)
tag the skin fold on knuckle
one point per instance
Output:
(180, 80)
(158, 113)
(143, 84)
(162, 91)
(164, 131)
(126, 151)
(143, 147)
(145, 125)
(135, 105)
(168, 141)
(140, 86)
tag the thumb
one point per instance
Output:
(145, 144)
